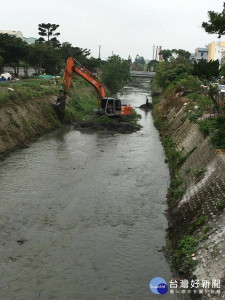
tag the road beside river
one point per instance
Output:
(82, 215)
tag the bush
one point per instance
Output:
(193, 117)
(182, 257)
(202, 101)
(220, 205)
(198, 172)
(103, 119)
(207, 126)
(218, 136)
(216, 128)
(189, 83)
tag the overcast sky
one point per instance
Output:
(121, 27)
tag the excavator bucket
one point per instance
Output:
(60, 104)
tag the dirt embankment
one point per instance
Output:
(196, 199)
(21, 122)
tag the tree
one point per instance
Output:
(168, 73)
(93, 64)
(152, 65)
(206, 70)
(116, 72)
(189, 83)
(36, 57)
(45, 59)
(182, 53)
(48, 30)
(166, 54)
(13, 50)
(216, 23)
(222, 70)
(67, 50)
(139, 60)
(1, 64)
(129, 59)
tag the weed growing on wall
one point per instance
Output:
(182, 257)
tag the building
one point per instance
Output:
(216, 51)
(30, 40)
(19, 34)
(13, 33)
(192, 57)
(200, 53)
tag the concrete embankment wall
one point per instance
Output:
(203, 196)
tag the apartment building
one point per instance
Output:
(216, 51)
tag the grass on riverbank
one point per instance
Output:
(26, 90)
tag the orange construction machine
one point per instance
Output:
(106, 105)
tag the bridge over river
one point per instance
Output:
(142, 74)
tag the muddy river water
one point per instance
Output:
(82, 215)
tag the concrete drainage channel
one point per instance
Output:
(82, 215)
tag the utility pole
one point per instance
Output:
(99, 52)
(153, 56)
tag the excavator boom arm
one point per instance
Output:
(110, 106)
(85, 74)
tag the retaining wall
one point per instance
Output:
(202, 195)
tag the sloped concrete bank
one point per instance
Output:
(196, 200)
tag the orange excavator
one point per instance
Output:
(106, 105)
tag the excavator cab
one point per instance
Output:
(110, 106)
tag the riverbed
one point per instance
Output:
(82, 215)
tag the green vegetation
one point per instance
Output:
(174, 53)
(187, 171)
(206, 70)
(206, 229)
(103, 119)
(189, 82)
(139, 63)
(175, 158)
(80, 106)
(152, 65)
(47, 55)
(176, 182)
(116, 72)
(50, 115)
(202, 101)
(216, 23)
(48, 31)
(198, 172)
(13, 50)
(182, 258)
(169, 73)
(215, 127)
(204, 237)
(220, 205)
(174, 195)
(194, 116)
(178, 81)
(200, 221)
(26, 90)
